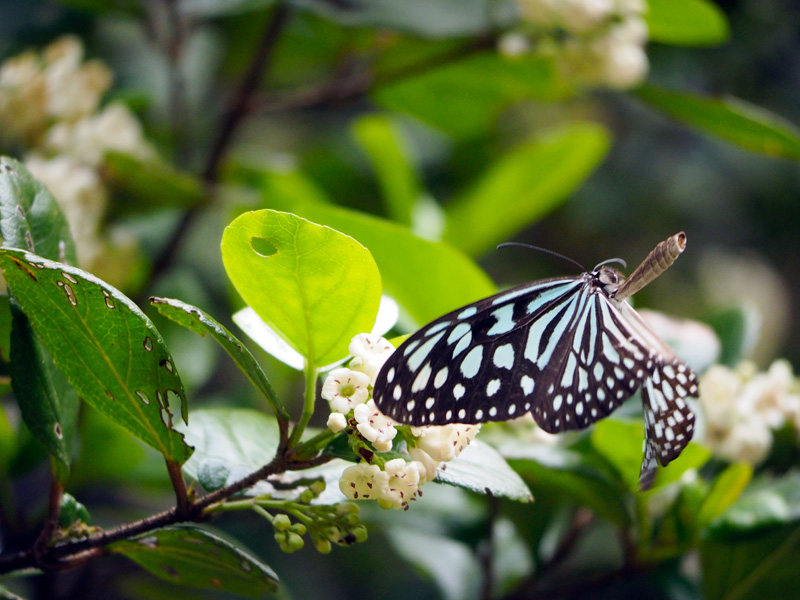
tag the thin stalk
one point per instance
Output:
(309, 399)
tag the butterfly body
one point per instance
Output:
(566, 350)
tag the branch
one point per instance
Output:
(237, 109)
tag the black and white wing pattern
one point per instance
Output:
(564, 350)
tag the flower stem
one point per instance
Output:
(309, 398)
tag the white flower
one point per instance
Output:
(583, 16)
(74, 89)
(358, 482)
(369, 353)
(115, 128)
(513, 44)
(81, 196)
(426, 461)
(23, 97)
(742, 406)
(337, 422)
(444, 442)
(398, 484)
(345, 389)
(376, 427)
(624, 65)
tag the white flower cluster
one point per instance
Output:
(593, 42)
(50, 106)
(742, 407)
(397, 482)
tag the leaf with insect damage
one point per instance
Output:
(105, 346)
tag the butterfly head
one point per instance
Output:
(608, 278)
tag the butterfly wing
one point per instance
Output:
(558, 349)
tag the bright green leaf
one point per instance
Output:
(385, 146)
(524, 185)
(200, 322)
(30, 218)
(71, 511)
(427, 278)
(743, 124)
(104, 345)
(190, 556)
(47, 403)
(726, 488)
(621, 444)
(480, 468)
(465, 97)
(315, 286)
(686, 22)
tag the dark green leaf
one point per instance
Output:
(222, 8)
(5, 330)
(30, 218)
(734, 327)
(47, 403)
(193, 557)
(524, 185)
(450, 564)
(104, 345)
(427, 18)
(427, 278)
(756, 567)
(200, 322)
(569, 473)
(315, 286)
(71, 511)
(229, 444)
(743, 124)
(480, 468)
(686, 22)
(458, 98)
(152, 183)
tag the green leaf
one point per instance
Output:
(426, 18)
(190, 556)
(104, 345)
(427, 278)
(465, 97)
(743, 124)
(48, 404)
(571, 474)
(229, 444)
(452, 565)
(5, 330)
(152, 183)
(385, 146)
(222, 8)
(480, 468)
(30, 218)
(317, 287)
(200, 322)
(524, 185)
(620, 443)
(71, 511)
(686, 22)
(756, 567)
(767, 503)
(727, 487)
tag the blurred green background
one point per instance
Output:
(340, 112)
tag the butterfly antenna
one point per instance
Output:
(545, 250)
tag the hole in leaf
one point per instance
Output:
(262, 247)
(57, 428)
(148, 344)
(142, 396)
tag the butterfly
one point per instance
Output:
(568, 350)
